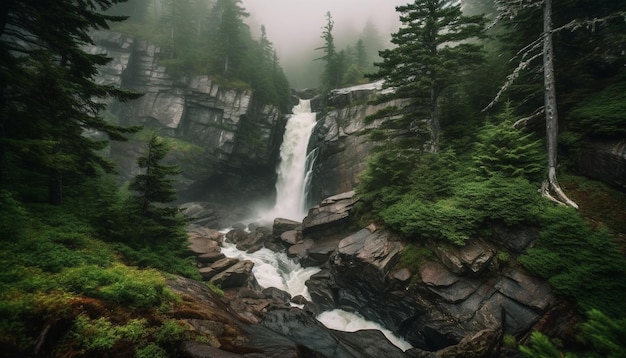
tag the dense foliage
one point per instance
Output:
(489, 167)
(48, 97)
(433, 50)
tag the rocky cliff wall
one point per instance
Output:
(227, 142)
(341, 139)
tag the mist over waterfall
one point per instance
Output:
(293, 168)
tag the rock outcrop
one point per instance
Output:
(212, 125)
(604, 160)
(341, 139)
(458, 301)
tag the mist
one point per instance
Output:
(295, 27)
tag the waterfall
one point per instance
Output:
(292, 171)
(273, 269)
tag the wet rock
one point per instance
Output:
(252, 242)
(202, 245)
(210, 257)
(299, 300)
(235, 276)
(470, 259)
(320, 287)
(304, 330)
(236, 236)
(291, 237)
(330, 217)
(282, 225)
(277, 294)
(515, 239)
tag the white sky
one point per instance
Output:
(293, 25)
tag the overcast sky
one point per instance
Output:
(292, 24)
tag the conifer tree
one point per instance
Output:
(332, 76)
(48, 97)
(433, 50)
(153, 188)
(229, 41)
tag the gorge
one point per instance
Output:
(460, 299)
(165, 191)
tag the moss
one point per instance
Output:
(413, 257)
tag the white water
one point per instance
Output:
(273, 269)
(350, 322)
(290, 184)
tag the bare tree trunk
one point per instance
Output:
(552, 118)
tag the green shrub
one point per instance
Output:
(100, 334)
(602, 113)
(443, 219)
(509, 341)
(580, 263)
(137, 288)
(509, 200)
(160, 256)
(151, 351)
(171, 331)
(509, 152)
(12, 216)
(606, 335)
(216, 289)
(541, 347)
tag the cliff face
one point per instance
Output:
(226, 142)
(341, 139)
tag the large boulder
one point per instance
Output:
(330, 217)
(236, 275)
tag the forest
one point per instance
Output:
(498, 100)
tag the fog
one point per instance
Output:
(295, 27)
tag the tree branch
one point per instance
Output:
(522, 122)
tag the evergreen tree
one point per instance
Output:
(433, 50)
(229, 42)
(48, 97)
(362, 61)
(539, 42)
(332, 75)
(153, 188)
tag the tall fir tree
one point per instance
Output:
(433, 49)
(153, 188)
(332, 76)
(48, 96)
(230, 34)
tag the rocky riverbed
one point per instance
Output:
(455, 302)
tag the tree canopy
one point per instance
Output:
(48, 97)
(433, 49)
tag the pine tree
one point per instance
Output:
(332, 75)
(433, 50)
(153, 188)
(48, 97)
(229, 42)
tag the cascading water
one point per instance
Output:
(291, 183)
(273, 269)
